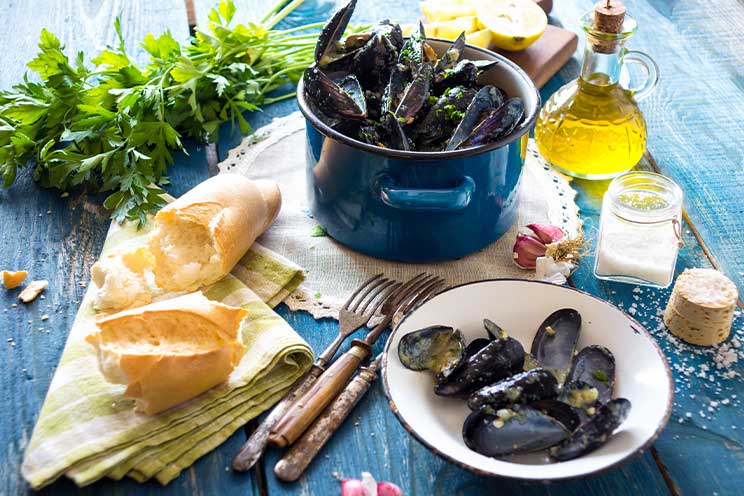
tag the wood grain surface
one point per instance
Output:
(695, 120)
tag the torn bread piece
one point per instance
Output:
(13, 278)
(122, 280)
(33, 290)
(170, 351)
(196, 241)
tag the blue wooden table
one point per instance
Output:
(696, 125)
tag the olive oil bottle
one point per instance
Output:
(592, 127)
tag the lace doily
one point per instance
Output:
(333, 271)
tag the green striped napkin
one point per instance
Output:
(87, 430)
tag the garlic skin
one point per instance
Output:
(367, 486)
(547, 233)
(547, 269)
(529, 246)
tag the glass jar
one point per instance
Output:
(640, 230)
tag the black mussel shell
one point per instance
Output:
(555, 342)
(394, 90)
(345, 98)
(327, 48)
(497, 123)
(494, 330)
(475, 346)
(415, 95)
(465, 73)
(595, 365)
(488, 98)
(594, 432)
(495, 361)
(525, 387)
(436, 348)
(412, 53)
(442, 118)
(565, 414)
(394, 136)
(452, 56)
(374, 61)
(521, 429)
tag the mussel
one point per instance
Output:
(329, 49)
(565, 414)
(555, 342)
(595, 367)
(494, 330)
(594, 432)
(344, 98)
(495, 361)
(415, 95)
(497, 123)
(438, 349)
(444, 115)
(487, 98)
(510, 431)
(525, 387)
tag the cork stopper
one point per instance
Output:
(609, 16)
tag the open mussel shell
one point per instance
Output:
(565, 414)
(525, 387)
(555, 342)
(328, 48)
(442, 118)
(437, 348)
(489, 97)
(579, 394)
(494, 330)
(521, 429)
(595, 366)
(412, 53)
(452, 56)
(394, 136)
(495, 361)
(345, 98)
(373, 62)
(415, 95)
(594, 432)
(497, 123)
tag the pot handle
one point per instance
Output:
(437, 200)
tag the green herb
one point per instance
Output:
(114, 127)
(318, 232)
(600, 375)
(317, 296)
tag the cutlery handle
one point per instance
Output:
(255, 446)
(303, 452)
(307, 408)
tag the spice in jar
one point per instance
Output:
(639, 230)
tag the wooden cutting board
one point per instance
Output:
(546, 56)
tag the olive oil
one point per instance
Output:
(592, 127)
(591, 130)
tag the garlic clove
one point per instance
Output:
(369, 484)
(352, 487)
(526, 251)
(388, 489)
(547, 233)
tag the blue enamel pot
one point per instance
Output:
(419, 206)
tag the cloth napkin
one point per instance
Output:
(87, 430)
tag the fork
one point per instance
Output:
(312, 402)
(356, 312)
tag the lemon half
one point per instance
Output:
(514, 24)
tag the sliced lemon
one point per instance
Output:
(450, 30)
(514, 24)
(480, 38)
(437, 11)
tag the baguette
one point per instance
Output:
(170, 351)
(196, 241)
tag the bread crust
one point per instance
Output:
(169, 367)
(235, 209)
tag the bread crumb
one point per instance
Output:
(33, 290)
(13, 278)
(45, 317)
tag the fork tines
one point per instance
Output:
(361, 301)
(421, 286)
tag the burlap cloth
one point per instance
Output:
(277, 151)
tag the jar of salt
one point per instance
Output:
(640, 231)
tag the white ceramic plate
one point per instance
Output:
(642, 374)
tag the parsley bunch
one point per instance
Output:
(114, 128)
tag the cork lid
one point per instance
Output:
(609, 20)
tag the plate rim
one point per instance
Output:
(638, 328)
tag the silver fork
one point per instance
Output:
(356, 312)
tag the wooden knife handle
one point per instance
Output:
(302, 453)
(307, 408)
(255, 446)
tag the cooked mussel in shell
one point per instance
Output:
(595, 367)
(511, 431)
(438, 349)
(555, 342)
(525, 387)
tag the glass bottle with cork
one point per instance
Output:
(592, 127)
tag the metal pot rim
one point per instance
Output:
(525, 126)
